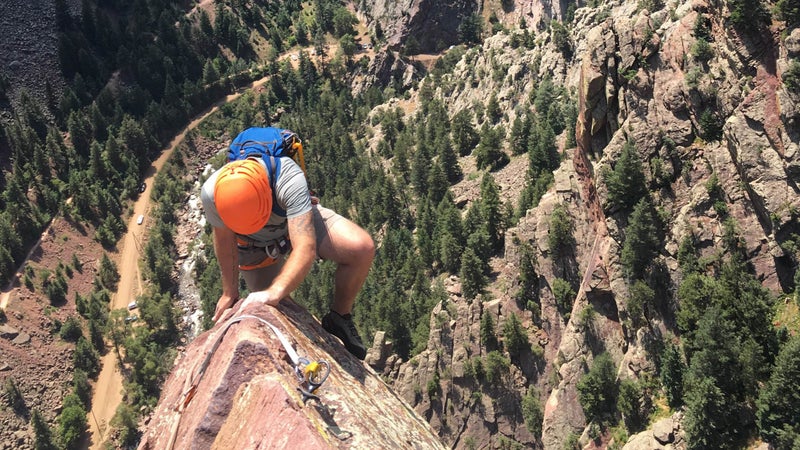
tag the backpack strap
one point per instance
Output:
(273, 171)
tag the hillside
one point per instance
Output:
(586, 215)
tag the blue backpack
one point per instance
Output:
(271, 144)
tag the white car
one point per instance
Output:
(140, 219)
(132, 305)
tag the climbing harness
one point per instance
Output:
(310, 374)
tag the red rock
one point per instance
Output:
(248, 398)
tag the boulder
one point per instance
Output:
(663, 431)
(22, 339)
(8, 332)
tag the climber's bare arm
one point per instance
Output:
(298, 264)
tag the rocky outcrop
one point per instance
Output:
(385, 69)
(664, 434)
(636, 79)
(432, 25)
(246, 393)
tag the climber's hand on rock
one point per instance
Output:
(264, 297)
(223, 304)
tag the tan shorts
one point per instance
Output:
(259, 279)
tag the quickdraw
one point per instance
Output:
(311, 375)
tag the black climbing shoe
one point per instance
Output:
(344, 328)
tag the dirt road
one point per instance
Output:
(107, 393)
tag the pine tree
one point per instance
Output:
(488, 334)
(779, 401)
(424, 233)
(560, 234)
(641, 241)
(72, 421)
(707, 411)
(515, 337)
(532, 412)
(489, 152)
(420, 168)
(629, 404)
(672, 369)
(437, 183)
(86, 357)
(542, 150)
(626, 182)
(109, 275)
(449, 235)
(463, 133)
(597, 390)
(491, 212)
(527, 296)
(472, 278)
(448, 159)
(43, 435)
(789, 11)
(716, 384)
(519, 136)
(493, 111)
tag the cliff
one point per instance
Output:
(635, 77)
(246, 393)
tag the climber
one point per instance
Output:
(273, 231)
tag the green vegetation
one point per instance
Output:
(561, 38)
(791, 78)
(471, 29)
(701, 50)
(748, 15)
(515, 337)
(43, 435)
(626, 182)
(496, 367)
(71, 329)
(489, 152)
(560, 237)
(13, 395)
(729, 344)
(710, 127)
(125, 421)
(527, 296)
(109, 275)
(72, 421)
(533, 412)
(597, 389)
(779, 400)
(488, 334)
(642, 241)
(564, 295)
(640, 303)
(789, 11)
(651, 5)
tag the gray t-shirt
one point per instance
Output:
(291, 194)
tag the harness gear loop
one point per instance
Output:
(274, 249)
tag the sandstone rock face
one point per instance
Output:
(433, 25)
(247, 397)
(383, 70)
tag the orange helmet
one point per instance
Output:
(243, 196)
